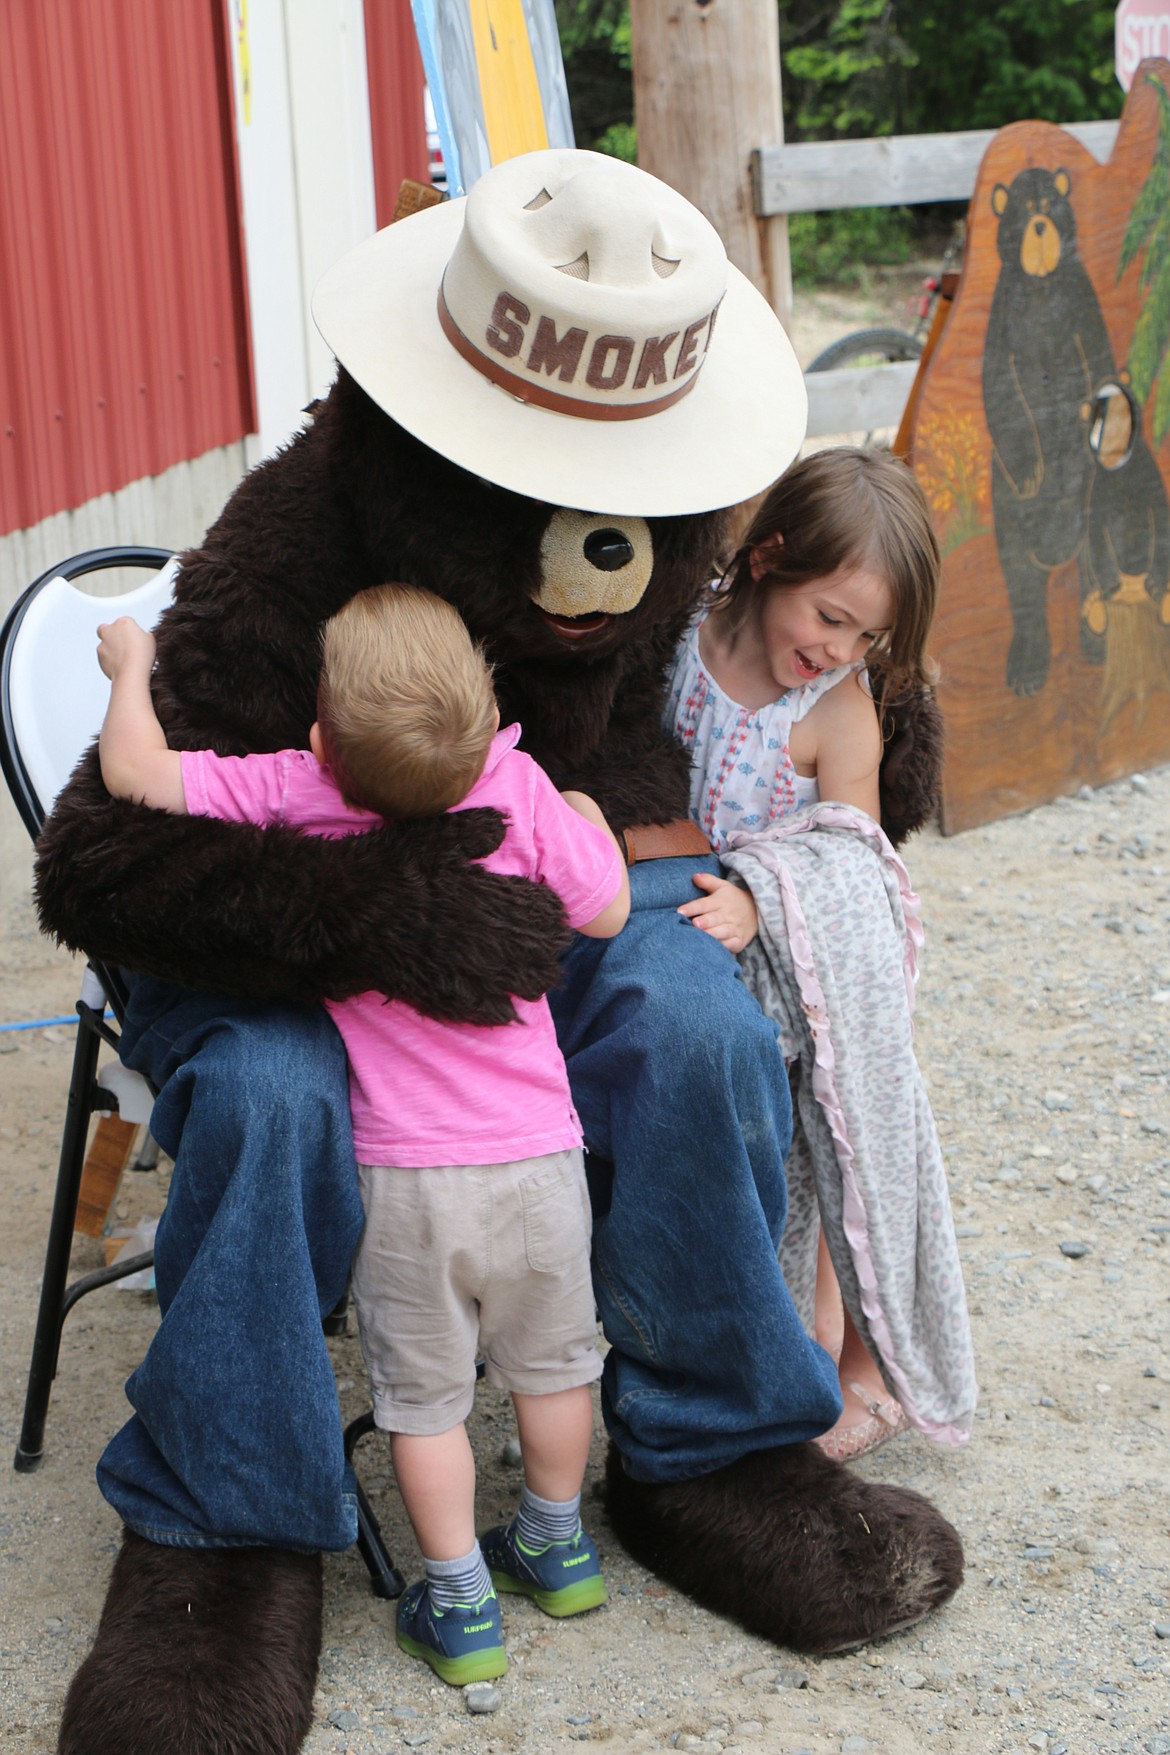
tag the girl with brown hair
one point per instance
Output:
(771, 692)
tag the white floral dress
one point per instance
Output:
(742, 777)
(834, 965)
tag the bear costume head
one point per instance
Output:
(588, 293)
(584, 288)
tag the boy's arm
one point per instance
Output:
(271, 914)
(132, 748)
(613, 917)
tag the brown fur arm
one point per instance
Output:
(268, 913)
(640, 774)
(273, 914)
(910, 777)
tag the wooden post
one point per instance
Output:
(706, 94)
(108, 1156)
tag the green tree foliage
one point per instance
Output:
(861, 67)
(845, 68)
(983, 63)
(1148, 234)
(595, 47)
(855, 68)
(842, 247)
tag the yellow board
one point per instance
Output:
(512, 107)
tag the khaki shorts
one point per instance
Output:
(487, 1258)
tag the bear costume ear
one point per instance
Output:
(999, 199)
(1061, 182)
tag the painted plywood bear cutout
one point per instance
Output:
(1045, 350)
(1041, 435)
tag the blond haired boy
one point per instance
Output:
(468, 1146)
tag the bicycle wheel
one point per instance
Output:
(867, 347)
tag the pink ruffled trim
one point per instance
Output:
(853, 1215)
(845, 816)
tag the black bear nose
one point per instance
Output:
(608, 550)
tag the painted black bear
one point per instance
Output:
(1046, 349)
(1127, 517)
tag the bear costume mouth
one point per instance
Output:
(574, 627)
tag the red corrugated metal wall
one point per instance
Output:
(123, 315)
(396, 81)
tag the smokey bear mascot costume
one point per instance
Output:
(568, 336)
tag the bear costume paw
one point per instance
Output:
(200, 1651)
(792, 1546)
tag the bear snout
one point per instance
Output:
(1040, 248)
(592, 564)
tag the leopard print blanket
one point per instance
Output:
(834, 965)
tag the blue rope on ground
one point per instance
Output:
(44, 1023)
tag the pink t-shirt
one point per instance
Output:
(421, 1092)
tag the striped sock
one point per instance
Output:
(541, 1521)
(454, 1583)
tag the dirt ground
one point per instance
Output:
(1043, 1012)
(1042, 1031)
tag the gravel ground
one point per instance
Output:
(1042, 1030)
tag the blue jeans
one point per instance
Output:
(236, 1437)
(684, 1099)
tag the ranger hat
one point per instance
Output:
(573, 330)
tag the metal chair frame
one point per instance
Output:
(104, 986)
(101, 986)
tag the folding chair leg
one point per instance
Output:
(50, 1312)
(385, 1579)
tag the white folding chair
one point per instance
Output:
(52, 700)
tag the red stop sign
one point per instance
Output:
(1141, 29)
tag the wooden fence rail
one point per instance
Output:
(900, 170)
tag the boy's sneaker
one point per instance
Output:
(564, 1578)
(464, 1644)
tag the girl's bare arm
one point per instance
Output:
(848, 746)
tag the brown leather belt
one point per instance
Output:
(664, 841)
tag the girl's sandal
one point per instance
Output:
(845, 1443)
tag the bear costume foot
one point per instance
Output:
(792, 1546)
(200, 1651)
